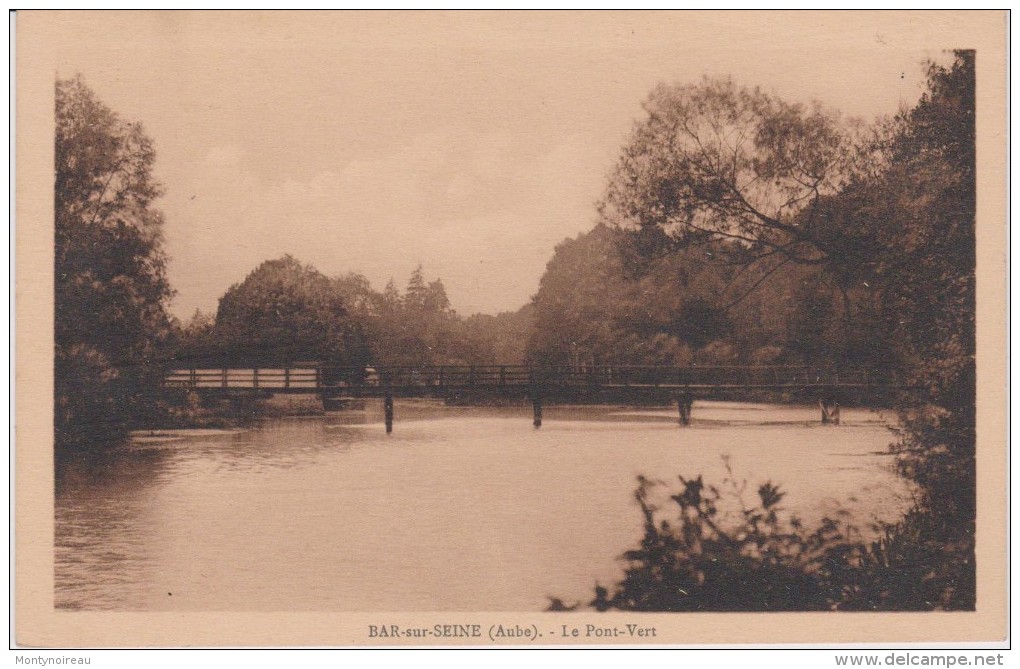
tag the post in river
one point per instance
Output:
(685, 403)
(388, 411)
(830, 410)
(536, 398)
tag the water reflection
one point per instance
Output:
(458, 509)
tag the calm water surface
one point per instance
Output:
(458, 509)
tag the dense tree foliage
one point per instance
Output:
(111, 291)
(285, 311)
(930, 191)
(417, 328)
(785, 184)
(602, 302)
(590, 311)
(715, 160)
(499, 339)
(929, 198)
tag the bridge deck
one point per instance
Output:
(607, 383)
(514, 379)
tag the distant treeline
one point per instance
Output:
(286, 312)
(601, 302)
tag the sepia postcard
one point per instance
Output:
(523, 328)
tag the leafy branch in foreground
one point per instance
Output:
(721, 553)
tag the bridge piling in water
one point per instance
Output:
(388, 411)
(598, 384)
(830, 410)
(685, 403)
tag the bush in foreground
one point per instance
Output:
(717, 552)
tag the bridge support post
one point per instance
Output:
(830, 410)
(685, 403)
(536, 401)
(388, 411)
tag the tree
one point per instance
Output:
(592, 308)
(715, 160)
(111, 291)
(577, 295)
(497, 340)
(196, 339)
(929, 196)
(391, 296)
(285, 311)
(418, 328)
(416, 293)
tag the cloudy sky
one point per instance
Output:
(468, 143)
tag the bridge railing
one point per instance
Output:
(309, 378)
(694, 376)
(256, 377)
(455, 376)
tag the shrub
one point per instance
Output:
(719, 553)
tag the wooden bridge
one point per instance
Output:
(592, 384)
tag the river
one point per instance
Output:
(459, 509)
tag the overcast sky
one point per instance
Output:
(470, 144)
